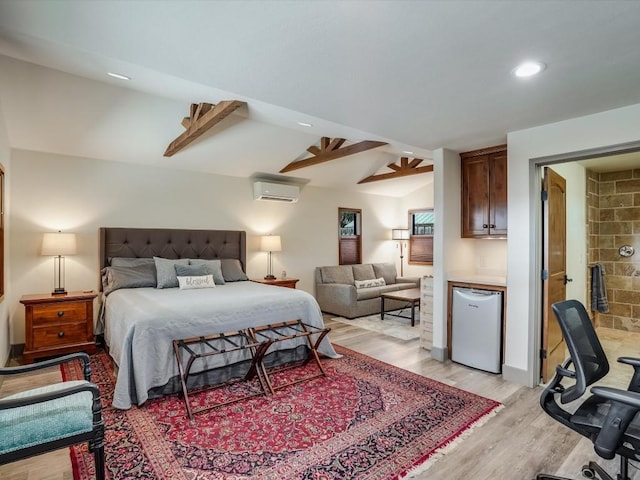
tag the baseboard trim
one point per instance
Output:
(440, 354)
(515, 375)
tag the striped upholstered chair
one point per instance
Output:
(52, 417)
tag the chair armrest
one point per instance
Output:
(337, 298)
(408, 280)
(6, 404)
(634, 384)
(617, 395)
(635, 362)
(624, 406)
(83, 357)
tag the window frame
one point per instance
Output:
(346, 241)
(421, 242)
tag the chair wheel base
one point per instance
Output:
(592, 471)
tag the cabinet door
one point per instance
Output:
(498, 194)
(475, 196)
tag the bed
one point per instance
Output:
(139, 320)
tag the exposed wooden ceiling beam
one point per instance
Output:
(202, 117)
(405, 169)
(330, 150)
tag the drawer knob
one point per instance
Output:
(60, 334)
(60, 313)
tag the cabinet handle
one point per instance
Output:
(60, 334)
(492, 226)
(484, 225)
(60, 313)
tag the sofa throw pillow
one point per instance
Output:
(196, 281)
(375, 282)
(214, 267)
(166, 271)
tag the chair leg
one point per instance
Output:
(98, 455)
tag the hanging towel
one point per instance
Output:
(598, 290)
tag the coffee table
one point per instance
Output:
(411, 296)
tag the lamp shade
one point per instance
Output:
(270, 243)
(54, 244)
(400, 234)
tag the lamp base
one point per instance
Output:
(270, 277)
(59, 291)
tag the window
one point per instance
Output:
(421, 224)
(349, 237)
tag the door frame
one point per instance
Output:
(535, 267)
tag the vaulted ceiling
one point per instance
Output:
(416, 75)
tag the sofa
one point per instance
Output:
(354, 290)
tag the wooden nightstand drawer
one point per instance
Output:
(59, 312)
(58, 335)
(58, 324)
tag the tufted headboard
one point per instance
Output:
(172, 243)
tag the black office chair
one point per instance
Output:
(609, 416)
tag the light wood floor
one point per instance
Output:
(520, 441)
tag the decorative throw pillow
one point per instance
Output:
(214, 267)
(198, 281)
(191, 270)
(130, 261)
(114, 278)
(376, 282)
(166, 271)
(232, 270)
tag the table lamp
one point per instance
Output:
(58, 245)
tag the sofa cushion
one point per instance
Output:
(363, 272)
(338, 274)
(387, 271)
(367, 293)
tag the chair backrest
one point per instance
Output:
(586, 352)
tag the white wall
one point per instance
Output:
(51, 192)
(589, 132)
(5, 305)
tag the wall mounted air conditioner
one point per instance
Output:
(275, 192)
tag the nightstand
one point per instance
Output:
(279, 282)
(58, 324)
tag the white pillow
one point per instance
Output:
(374, 282)
(201, 281)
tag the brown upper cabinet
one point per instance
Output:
(484, 192)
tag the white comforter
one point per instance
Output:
(140, 324)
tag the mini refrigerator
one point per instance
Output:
(476, 328)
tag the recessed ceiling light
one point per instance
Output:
(118, 76)
(407, 152)
(528, 69)
(305, 124)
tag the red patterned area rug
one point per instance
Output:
(364, 420)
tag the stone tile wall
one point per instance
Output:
(613, 203)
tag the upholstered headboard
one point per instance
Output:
(172, 243)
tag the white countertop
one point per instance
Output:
(496, 280)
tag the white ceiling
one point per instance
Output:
(418, 74)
